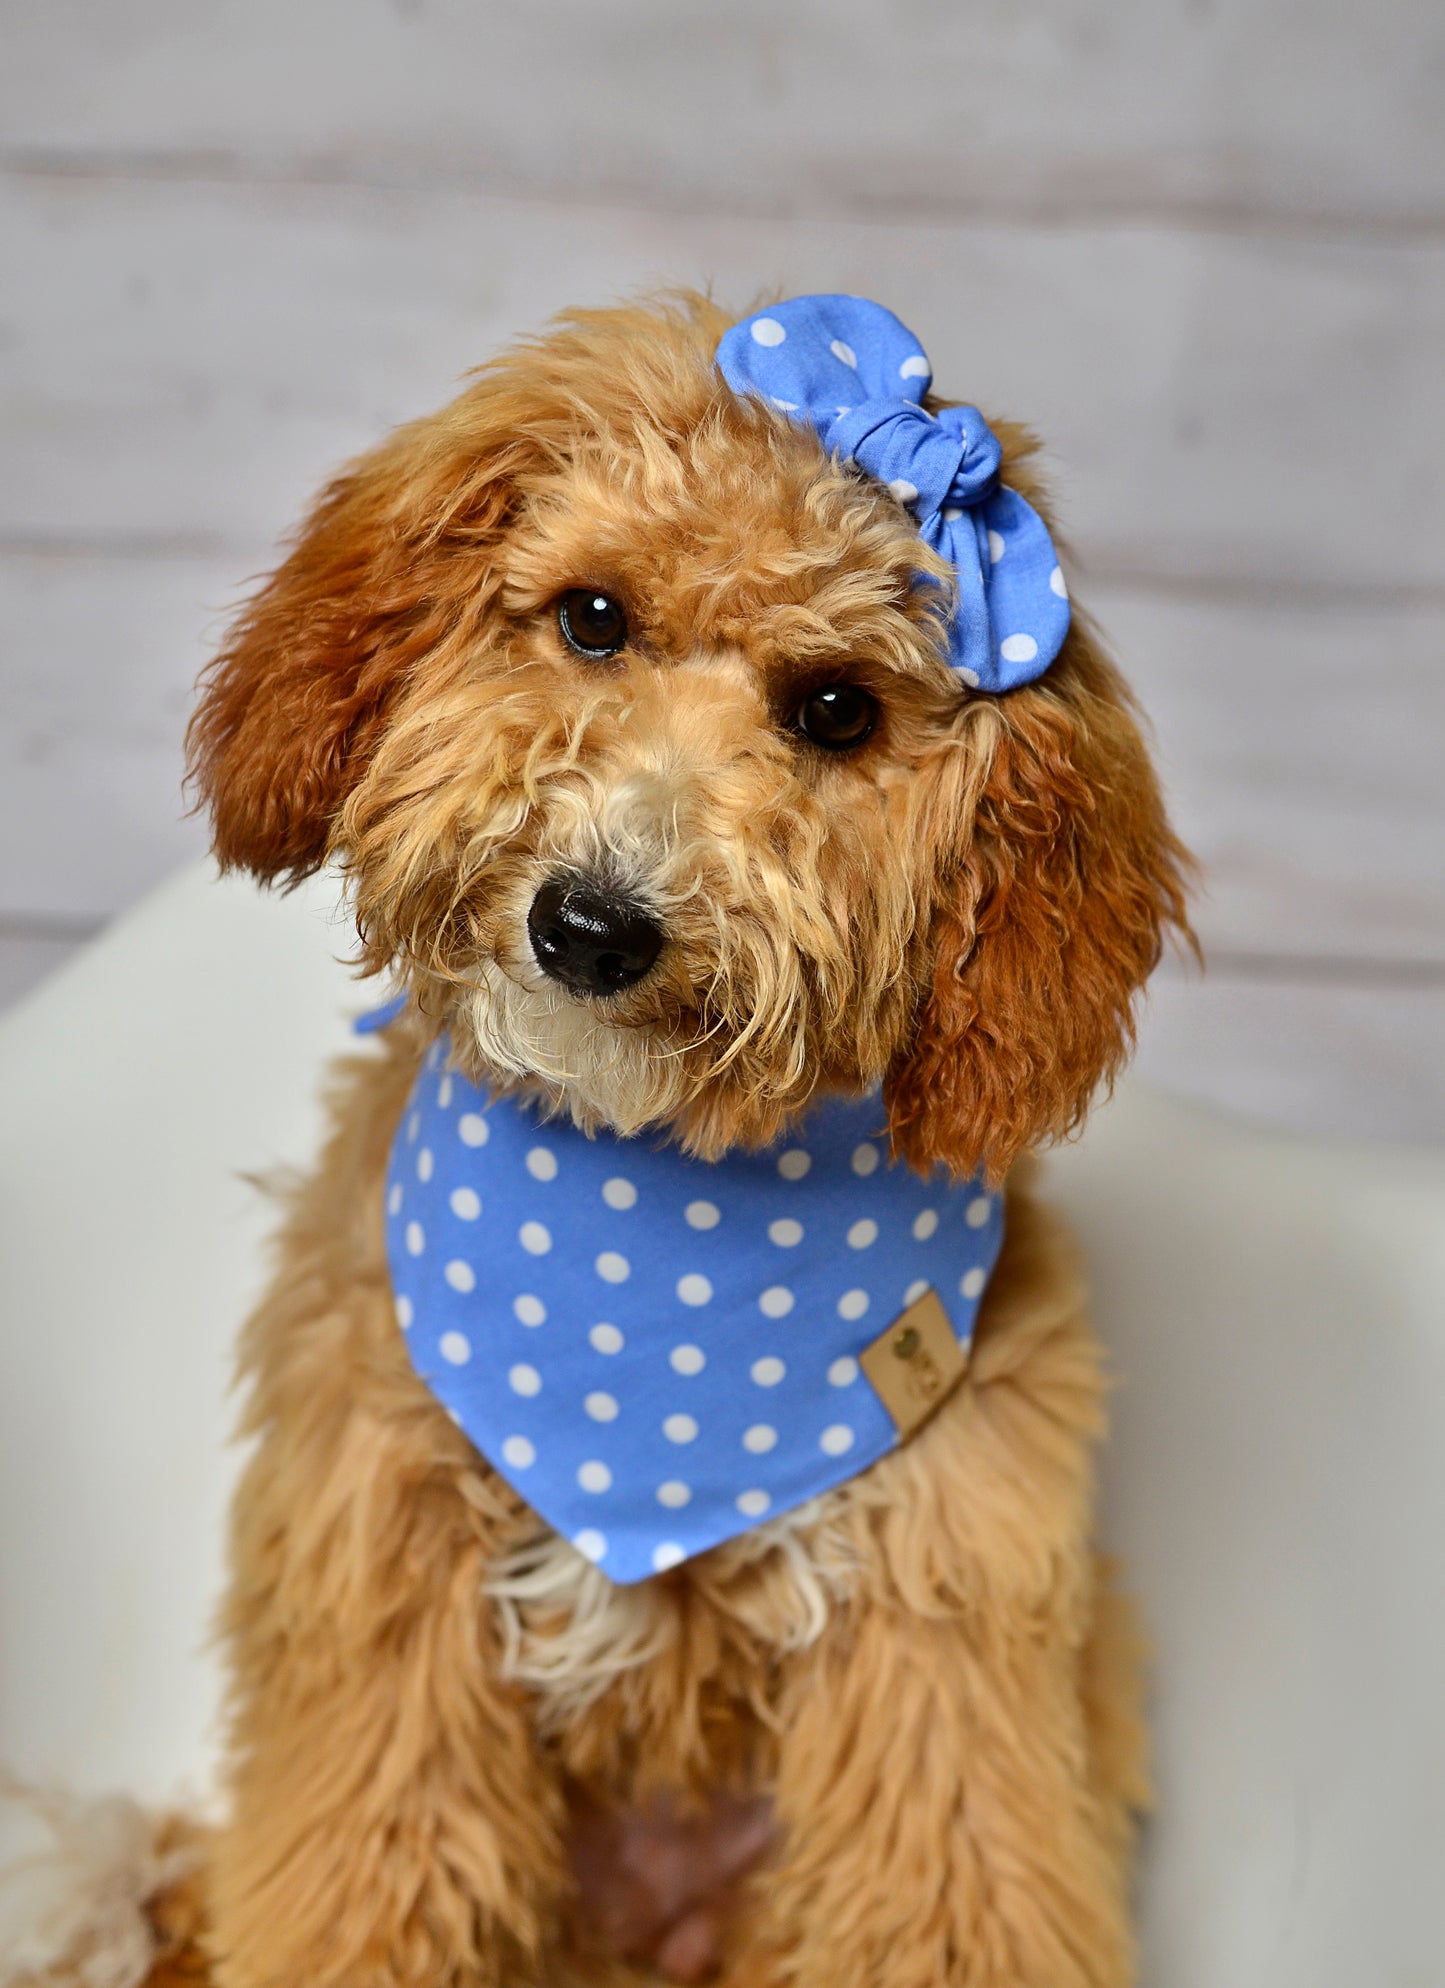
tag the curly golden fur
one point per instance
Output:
(926, 1673)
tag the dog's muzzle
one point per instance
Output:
(590, 939)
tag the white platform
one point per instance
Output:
(1276, 1312)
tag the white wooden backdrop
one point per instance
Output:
(1199, 243)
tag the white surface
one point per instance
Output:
(176, 1053)
(1276, 1478)
(1276, 1485)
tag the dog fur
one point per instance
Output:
(926, 1673)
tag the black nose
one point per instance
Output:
(588, 939)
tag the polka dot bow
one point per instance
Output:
(855, 374)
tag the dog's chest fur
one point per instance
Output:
(569, 1635)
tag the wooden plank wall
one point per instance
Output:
(1199, 243)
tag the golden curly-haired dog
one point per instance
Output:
(908, 1711)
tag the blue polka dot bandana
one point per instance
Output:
(850, 370)
(658, 1352)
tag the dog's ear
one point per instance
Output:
(1046, 924)
(395, 554)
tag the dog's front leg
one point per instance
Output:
(939, 1817)
(392, 1825)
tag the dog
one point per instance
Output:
(626, 703)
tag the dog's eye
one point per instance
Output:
(839, 716)
(591, 623)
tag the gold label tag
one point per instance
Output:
(915, 1364)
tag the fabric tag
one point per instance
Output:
(915, 1363)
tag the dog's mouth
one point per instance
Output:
(577, 989)
(639, 981)
(635, 1009)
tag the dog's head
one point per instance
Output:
(626, 710)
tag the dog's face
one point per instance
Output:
(627, 712)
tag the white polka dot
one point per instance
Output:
(393, 1200)
(472, 1129)
(844, 352)
(788, 406)
(541, 1164)
(972, 1282)
(687, 1359)
(606, 1339)
(951, 514)
(424, 1163)
(767, 331)
(853, 1304)
(864, 1161)
(594, 1476)
(836, 1439)
(612, 1268)
(601, 1407)
(915, 1291)
(413, 1126)
(679, 1428)
(1018, 648)
(916, 368)
(752, 1504)
(404, 1313)
(619, 1193)
(843, 1372)
(530, 1310)
(590, 1543)
(524, 1379)
(694, 1289)
(759, 1439)
(863, 1234)
(519, 1453)
(787, 1234)
(702, 1215)
(444, 1092)
(903, 490)
(674, 1494)
(460, 1276)
(776, 1301)
(415, 1238)
(535, 1238)
(978, 1210)
(996, 548)
(455, 1348)
(466, 1203)
(970, 677)
(1057, 584)
(842, 411)
(768, 1372)
(667, 1553)
(924, 1224)
(793, 1164)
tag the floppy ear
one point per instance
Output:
(395, 554)
(1044, 929)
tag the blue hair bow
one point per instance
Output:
(854, 373)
